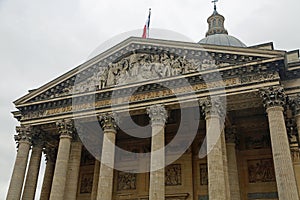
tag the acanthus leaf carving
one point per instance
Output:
(273, 96)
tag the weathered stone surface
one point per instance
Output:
(24, 142)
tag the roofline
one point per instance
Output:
(171, 43)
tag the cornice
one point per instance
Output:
(132, 44)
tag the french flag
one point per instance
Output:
(147, 25)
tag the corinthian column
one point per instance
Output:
(95, 179)
(158, 116)
(213, 110)
(274, 99)
(106, 174)
(73, 170)
(296, 106)
(61, 167)
(296, 152)
(34, 167)
(16, 183)
(234, 185)
(48, 176)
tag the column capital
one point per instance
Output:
(231, 135)
(38, 137)
(51, 153)
(24, 134)
(273, 96)
(158, 114)
(295, 103)
(108, 121)
(212, 106)
(65, 128)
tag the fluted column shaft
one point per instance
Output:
(216, 158)
(297, 161)
(47, 182)
(95, 179)
(106, 174)
(298, 123)
(225, 164)
(274, 99)
(17, 179)
(61, 166)
(73, 171)
(32, 173)
(216, 175)
(158, 116)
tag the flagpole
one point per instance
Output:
(149, 22)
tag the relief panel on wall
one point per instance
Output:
(126, 181)
(173, 175)
(86, 183)
(261, 170)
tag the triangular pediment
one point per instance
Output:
(137, 59)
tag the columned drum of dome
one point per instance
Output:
(217, 34)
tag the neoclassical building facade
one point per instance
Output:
(158, 119)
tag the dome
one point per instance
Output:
(222, 40)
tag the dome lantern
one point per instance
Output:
(217, 34)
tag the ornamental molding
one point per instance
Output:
(273, 96)
(203, 58)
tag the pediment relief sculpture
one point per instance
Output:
(140, 67)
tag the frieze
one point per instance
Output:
(163, 93)
(260, 77)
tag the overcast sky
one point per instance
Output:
(41, 40)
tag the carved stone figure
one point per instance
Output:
(261, 171)
(86, 183)
(126, 181)
(173, 175)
